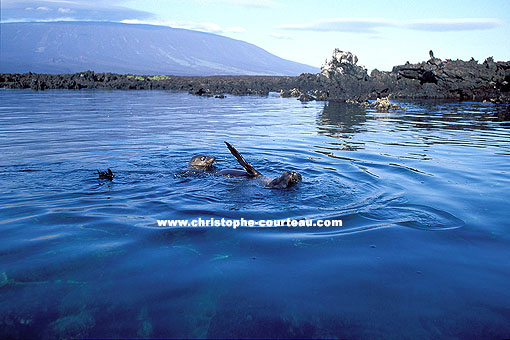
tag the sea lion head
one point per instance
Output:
(288, 179)
(201, 162)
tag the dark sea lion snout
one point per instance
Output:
(293, 177)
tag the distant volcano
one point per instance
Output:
(69, 47)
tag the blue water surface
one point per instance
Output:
(423, 194)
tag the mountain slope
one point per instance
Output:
(68, 47)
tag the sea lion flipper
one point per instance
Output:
(107, 174)
(247, 166)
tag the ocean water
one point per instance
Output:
(423, 251)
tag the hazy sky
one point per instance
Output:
(381, 33)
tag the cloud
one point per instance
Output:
(111, 10)
(280, 36)
(242, 3)
(65, 10)
(209, 27)
(235, 29)
(371, 25)
(77, 10)
(51, 10)
(445, 25)
(15, 3)
(197, 26)
(356, 25)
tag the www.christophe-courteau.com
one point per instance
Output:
(235, 223)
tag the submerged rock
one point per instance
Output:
(383, 105)
(304, 97)
(294, 92)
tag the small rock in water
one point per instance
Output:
(295, 92)
(383, 105)
(290, 93)
(306, 97)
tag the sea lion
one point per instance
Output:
(206, 163)
(202, 163)
(108, 174)
(286, 180)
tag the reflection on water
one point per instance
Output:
(336, 119)
(422, 195)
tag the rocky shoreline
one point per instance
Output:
(341, 79)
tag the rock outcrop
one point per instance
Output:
(343, 78)
(343, 64)
(432, 79)
(340, 79)
(203, 86)
(449, 79)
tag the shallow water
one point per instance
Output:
(423, 196)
